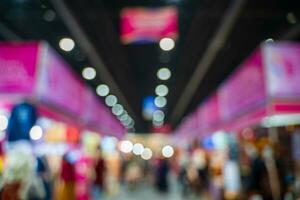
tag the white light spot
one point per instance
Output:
(146, 154)
(168, 151)
(161, 90)
(89, 73)
(117, 109)
(36, 132)
(111, 100)
(138, 149)
(164, 74)
(160, 102)
(3, 122)
(158, 116)
(102, 90)
(66, 44)
(167, 44)
(126, 146)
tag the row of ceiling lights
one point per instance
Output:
(162, 90)
(89, 73)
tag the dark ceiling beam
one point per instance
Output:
(217, 42)
(88, 47)
(8, 34)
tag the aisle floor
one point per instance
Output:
(148, 192)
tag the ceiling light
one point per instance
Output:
(102, 90)
(167, 44)
(123, 117)
(160, 101)
(89, 73)
(111, 100)
(164, 74)
(161, 90)
(66, 44)
(158, 116)
(117, 109)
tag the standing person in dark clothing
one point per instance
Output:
(99, 186)
(162, 175)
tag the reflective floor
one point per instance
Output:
(148, 192)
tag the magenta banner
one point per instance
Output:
(282, 63)
(34, 69)
(146, 24)
(208, 115)
(18, 67)
(59, 85)
(244, 90)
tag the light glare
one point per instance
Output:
(89, 73)
(160, 102)
(102, 90)
(36, 132)
(138, 149)
(117, 109)
(167, 44)
(164, 74)
(66, 44)
(158, 116)
(147, 154)
(111, 100)
(126, 146)
(168, 151)
(161, 90)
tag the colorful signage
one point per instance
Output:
(148, 24)
(282, 63)
(34, 69)
(18, 67)
(244, 90)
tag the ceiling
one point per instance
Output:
(131, 69)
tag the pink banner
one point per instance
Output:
(245, 88)
(145, 24)
(59, 85)
(282, 63)
(18, 67)
(208, 114)
(33, 68)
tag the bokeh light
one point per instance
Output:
(164, 74)
(161, 90)
(36, 132)
(66, 44)
(89, 73)
(126, 146)
(147, 154)
(137, 149)
(168, 151)
(102, 90)
(167, 44)
(111, 100)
